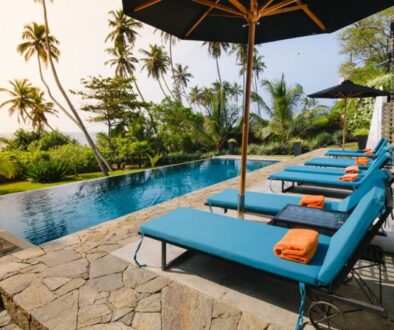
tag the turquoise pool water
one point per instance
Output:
(43, 215)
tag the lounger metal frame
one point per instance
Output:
(320, 295)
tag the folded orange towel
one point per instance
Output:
(298, 245)
(349, 177)
(362, 161)
(352, 169)
(316, 201)
(368, 152)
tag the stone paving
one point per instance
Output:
(76, 283)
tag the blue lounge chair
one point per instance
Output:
(271, 203)
(357, 153)
(344, 162)
(327, 180)
(251, 244)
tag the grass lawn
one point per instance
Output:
(13, 187)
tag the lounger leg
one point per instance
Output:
(163, 255)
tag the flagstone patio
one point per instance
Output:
(82, 282)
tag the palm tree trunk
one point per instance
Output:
(161, 87)
(50, 93)
(171, 61)
(187, 99)
(104, 166)
(168, 88)
(218, 70)
(143, 100)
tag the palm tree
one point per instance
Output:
(258, 68)
(123, 34)
(40, 110)
(21, 99)
(35, 45)
(181, 78)
(155, 63)
(122, 60)
(215, 50)
(284, 102)
(169, 39)
(104, 166)
(195, 96)
(124, 29)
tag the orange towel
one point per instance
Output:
(352, 169)
(298, 245)
(362, 161)
(316, 201)
(349, 177)
(368, 152)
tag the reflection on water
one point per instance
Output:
(47, 214)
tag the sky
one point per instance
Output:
(81, 27)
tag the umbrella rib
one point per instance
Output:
(239, 6)
(218, 6)
(284, 10)
(276, 7)
(199, 21)
(146, 5)
(312, 16)
(263, 7)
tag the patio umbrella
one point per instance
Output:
(249, 22)
(346, 90)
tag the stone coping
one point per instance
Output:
(74, 282)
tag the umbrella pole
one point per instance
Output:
(245, 124)
(344, 125)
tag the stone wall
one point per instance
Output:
(388, 121)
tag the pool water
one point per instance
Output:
(43, 215)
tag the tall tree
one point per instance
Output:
(182, 78)
(40, 110)
(123, 35)
(35, 45)
(169, 39)
(156, 63)
(215, 50)
(283, 107)
(104, 166)
(21, 99)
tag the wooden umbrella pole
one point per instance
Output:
(344, 125)
(245, 124)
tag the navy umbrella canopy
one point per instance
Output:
(249, 22)
(346, 90)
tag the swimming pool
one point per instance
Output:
(43, 215)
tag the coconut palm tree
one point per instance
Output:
(123, 29)
(40, 110)
(21, 99)
(156, 64)
(104, 166)
(181, 78)
(123, 61)
(169, 39)
(215, 50)
(283, 107)
(123, 34)
(34, 45)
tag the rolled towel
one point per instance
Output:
(368, 152)
(349, 177)
(362, 161)
(298, 245)
(352, 169)
(315, 201)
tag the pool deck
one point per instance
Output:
(87, 281)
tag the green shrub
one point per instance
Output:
(79, 159)
(272, 148)
(44, 171)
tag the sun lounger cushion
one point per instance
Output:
(355, 153)
(378, 146)
(333, 162)
(246, 242)
(319, 170)
(265, 203)
(346, 240)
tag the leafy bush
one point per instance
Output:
(51, 140)
(44, 171)
(272, 148)
(79, 159)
